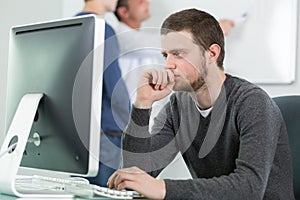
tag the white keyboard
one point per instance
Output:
(75, 186)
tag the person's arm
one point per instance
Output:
(139, 147)
(150, 152)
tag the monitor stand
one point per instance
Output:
(18, 134)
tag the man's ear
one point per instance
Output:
(122, 12)
(214, 52)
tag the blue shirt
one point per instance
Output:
(115, 98)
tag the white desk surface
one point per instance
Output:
(7, 197)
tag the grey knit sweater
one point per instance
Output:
(240, 151)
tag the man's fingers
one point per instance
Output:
(111, 180)
(164, 80)
(124, 177)
(159, 78)
(128, 185)
(171, 77)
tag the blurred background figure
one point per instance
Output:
(139, 47)
(115, 98)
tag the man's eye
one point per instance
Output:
(164, 55)
(178, 54)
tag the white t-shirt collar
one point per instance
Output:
(205, 112)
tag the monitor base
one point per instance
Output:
(16, 140)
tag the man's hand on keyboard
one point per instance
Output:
(138, 180)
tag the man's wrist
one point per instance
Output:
(163, 189)
(143, 104)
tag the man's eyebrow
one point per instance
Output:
(173, 50)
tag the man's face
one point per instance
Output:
(138, 10)
(185, 60)
(110, 5)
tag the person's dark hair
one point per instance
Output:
(204, 28)
(121, 3)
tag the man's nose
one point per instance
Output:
(170, 63)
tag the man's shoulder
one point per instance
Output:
(240, 85)
(242, 92)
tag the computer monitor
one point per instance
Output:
(63, 60)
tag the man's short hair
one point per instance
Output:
(121, 3)
(203, 26)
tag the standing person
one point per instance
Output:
(230, 132)
(132, 13)
(138, 47)
(115, 98)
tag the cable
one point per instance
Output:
(8, 150)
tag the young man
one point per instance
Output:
(230, 132)
(115, 98)
(140, 47)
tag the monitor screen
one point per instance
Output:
(62, 59)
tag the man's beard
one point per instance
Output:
(197, 84)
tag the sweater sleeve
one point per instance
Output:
(149, 151)
(259, 123)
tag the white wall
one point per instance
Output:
(16, 12)
(71, 7)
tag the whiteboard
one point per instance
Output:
(262, 49)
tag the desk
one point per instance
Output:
(7, 197)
